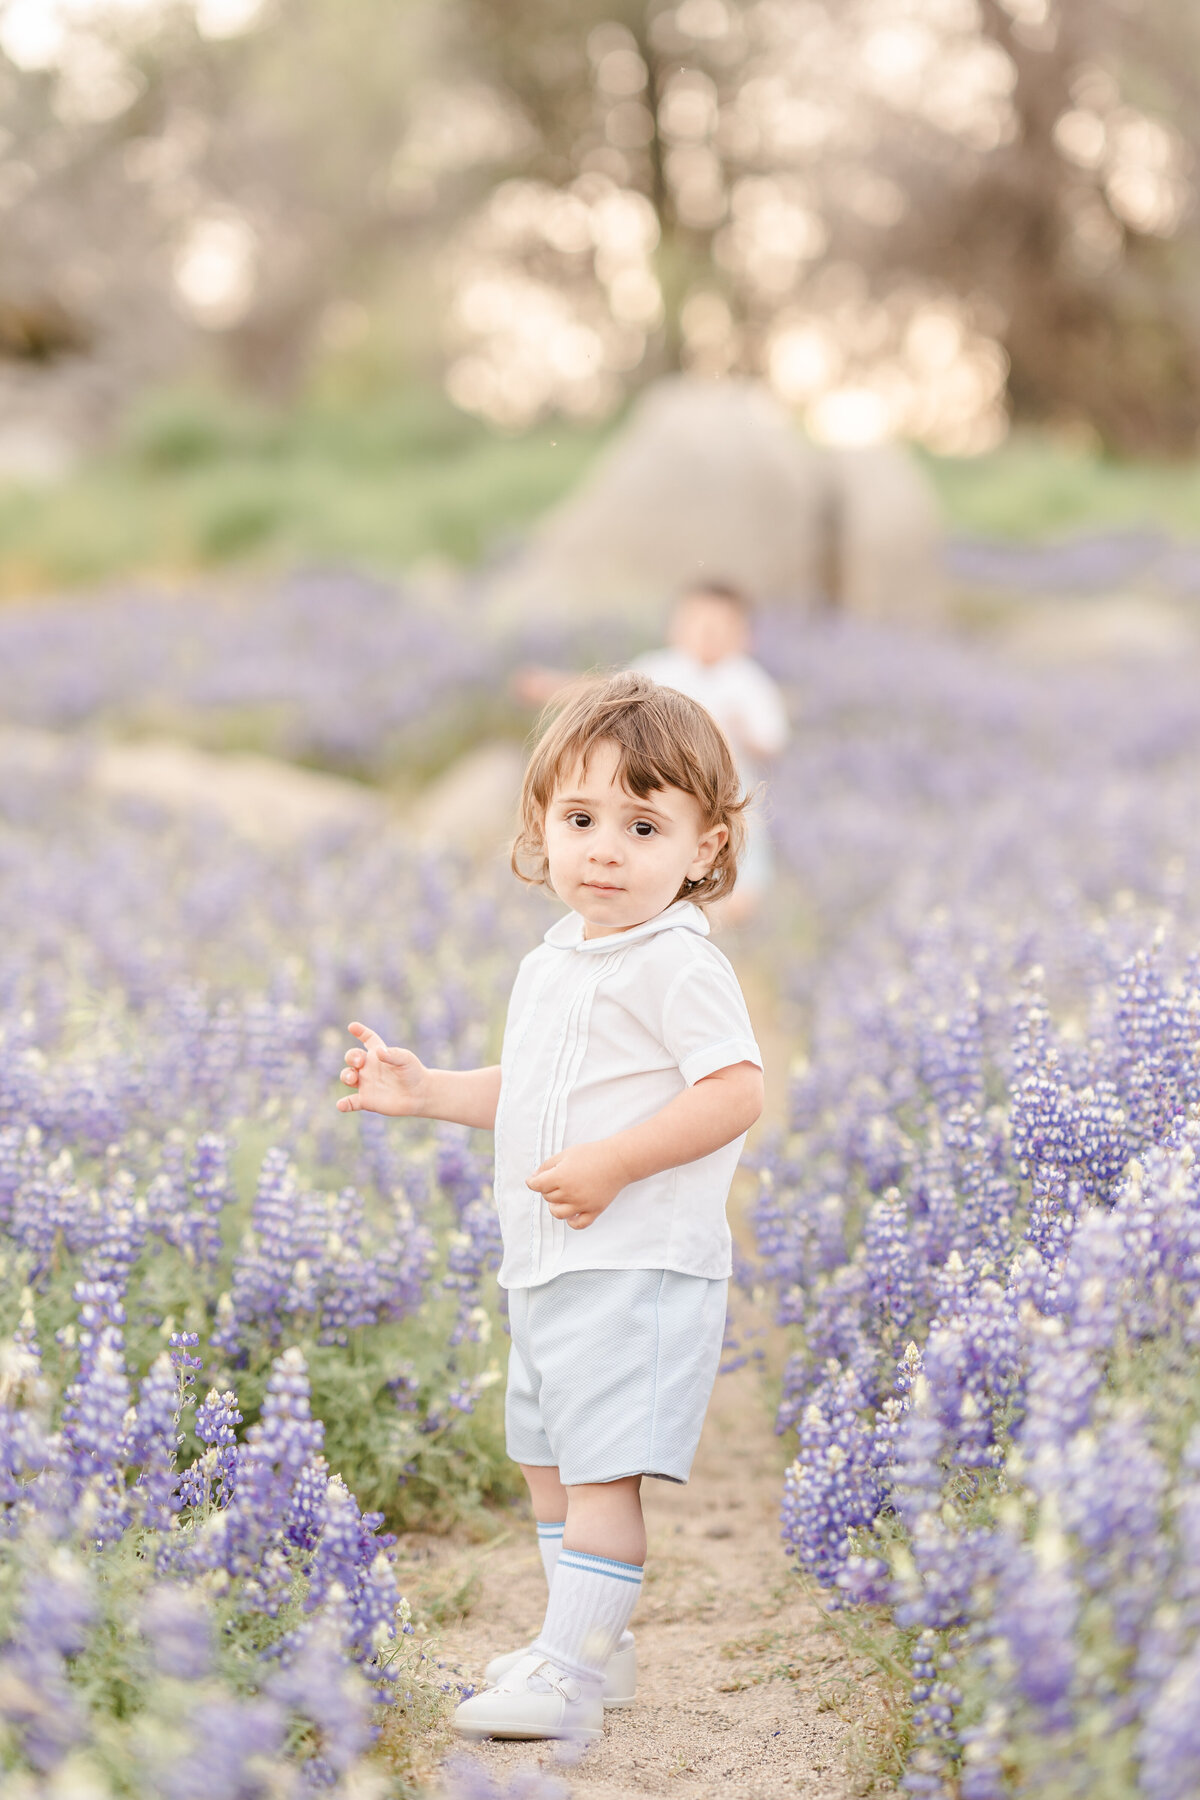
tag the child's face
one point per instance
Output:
(618, 860)
(708, 628)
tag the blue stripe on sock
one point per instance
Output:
(549, 1531)
(601, 1565)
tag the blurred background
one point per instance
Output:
(356, 355)
(373, 281)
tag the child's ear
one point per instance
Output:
(708, 849)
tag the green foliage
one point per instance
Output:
(203, 480)
(429, 1468)
(136, 1722)
(200, 479)
(1032, 488)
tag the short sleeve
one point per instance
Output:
(705, 1023)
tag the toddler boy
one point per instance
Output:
(628, 1078)
(707, 656)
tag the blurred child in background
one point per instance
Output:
(707, 657)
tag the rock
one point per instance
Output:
(471, 808)
(708, 479)
(886, 535)
(1108, 628)
(713, 479)
(255, 796)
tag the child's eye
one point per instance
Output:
(644, 828)
(581, 819)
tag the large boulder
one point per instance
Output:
(885, 534)
(707, 479)
(256, 797)
(712, 479)
(471, 807)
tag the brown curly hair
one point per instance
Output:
(663, 739)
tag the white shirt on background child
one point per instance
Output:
(740, 695)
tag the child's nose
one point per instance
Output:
(606, 846)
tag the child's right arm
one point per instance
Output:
(398, 1083)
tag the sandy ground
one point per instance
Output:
(744, 1690)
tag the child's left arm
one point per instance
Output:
(581, 1181)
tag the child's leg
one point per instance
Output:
(605, 1519)
(549, 1498)
(598, 1577)
(547, 1493)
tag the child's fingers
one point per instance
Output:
(349, 1103)
(370, 1039)
(355, 1059)
(350, 1077)
(539, 1181)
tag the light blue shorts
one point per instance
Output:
(611, 1370)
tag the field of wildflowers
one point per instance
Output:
(244, 1339)
(237, 1329)
(983, 1225)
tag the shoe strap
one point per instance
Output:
(559, 1680)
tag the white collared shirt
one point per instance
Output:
(601, 1034)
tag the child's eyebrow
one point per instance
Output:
(631, 800)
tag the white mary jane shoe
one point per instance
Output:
(536, 1699)
(620, 1675)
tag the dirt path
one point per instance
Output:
(743, 1692)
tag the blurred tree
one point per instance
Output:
(887, 209)
(210, 169)
(909, 215)
(1075, 233)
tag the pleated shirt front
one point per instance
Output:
(602, 1033)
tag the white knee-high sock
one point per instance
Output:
(549, 1543)
(591, 1602)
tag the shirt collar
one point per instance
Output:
(681, 915)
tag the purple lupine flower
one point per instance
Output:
(210, 1479)
(264, 1265)
(247, 1537)
(212, 1188)
(177, 1622)
(933, 1702)
(55, 1608)
(949, 1568)
(831, 1488)
(152, 1441)
(1036, 1615)
(306, 1512)
(94, 1436)
(890, 1266)
(231, 1740)
(983, 1757)
(331, 1695)
(1169, 1742)
(166, 1196)
(462, 1778)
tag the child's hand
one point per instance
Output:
(579, 1183)
(384, 1080)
